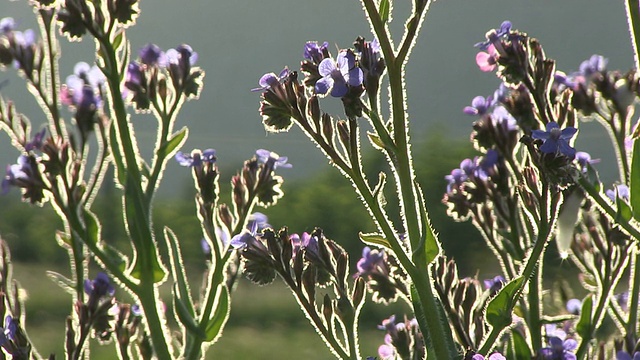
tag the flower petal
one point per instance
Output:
(326, 67)
(323, 85)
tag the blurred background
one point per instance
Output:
(237, 42)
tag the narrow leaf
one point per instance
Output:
(183, 311)
(374, 239)
(583, 328)
(64, 282)
(93, 227)
(567, 220)
(178, 273)
(428, 243)
(375, 141)
(520, 347)
(220, 316)
(120, 175)
(176, 141)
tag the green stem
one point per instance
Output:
(634, 295)
(631, 226)
(148, 297)
(535, 308)
(544, 234)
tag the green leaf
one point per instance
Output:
(64, 282)
(385, 9)
(178, 271)
(184, 313)
(378, 191)
(374, 239)
(498, 313)
(220, 316)
(176, 141)
(519, 346)
(146, 259)
(634, 186)
(117, 41)
(63, 239)
(93, 227)
(375, 140)
(429, 242)
(119, 259)
(583, 328)
(624, 212)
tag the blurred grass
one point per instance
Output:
(265, 322)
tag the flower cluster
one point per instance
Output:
(147, 78)
(402, 340)
(19, 48)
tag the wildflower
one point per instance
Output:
(595, 64)
(574, 306)
(494, 284)
(152, 55)
(623, 355)
(82, 92)
(37, 141)
(556, 140)
(560, 348)
(314, 52)
(386, 350)
(494, 356)
(270, 80)
(9, 330)
(479, 106)
(246, 237)
(7, 25)
(99, 287)
(584, 160)
(204, 245)
(338, 75)
(26, 175)
(272, 160)
(196, 158)
(371, 259)
(495, 35)
(181, 56)
(455, 179)
(620, 191)
(501, 118)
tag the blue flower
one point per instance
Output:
(314, 52)
(623, 355)
(17, 174)
(479, 106)
(370, 260)
(82, 89)
(621, 191)
(556, 140)
(196, 158)
(338, 74)
(595, 64)
(152, 55)
(271, 159)
(494, 284)
(270, 81)
(494, 356)
(7, 25)
(574, 306)
(37, 141)
(494, 35)
(181, 56)
(9, 330)
(100, 286)
(584, 160)
(502, 118)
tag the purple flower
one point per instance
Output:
(272, 160)
(196, 158)
(17, 174)
(595, 64)
(7, 24)
(204, 245)
(479, 106)
(623, 355)
(556, 140)
(455, 179)
(494, 356)
(9, 330)
(559, 349)
(37, 141)
(299, 242)
(500, 95)
(181, 56)
(502, 118)
(136, 310)
(494, 284)
(584, 160)
(260, 220)
(314, 52)
(574, 306)
(338, 75)
(270, 80)
(621, 191)
(82, 88)
(387, 350)
(100, 286)
(133, 77)
(370, 260)
(495, 35)
(152, 55)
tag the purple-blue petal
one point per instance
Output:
(550, 146)
(323, 85)
(540, 134)
(567, 133)
(326, 67)
(339, 88)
